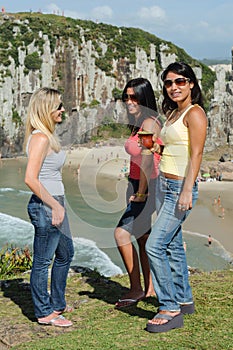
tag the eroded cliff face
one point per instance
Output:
(220, 115)
(89, 93)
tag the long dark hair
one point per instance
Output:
(186, 71)
(145, 96)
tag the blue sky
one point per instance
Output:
(203, 28)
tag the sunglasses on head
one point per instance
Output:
(60, 106)
(178, 81)
(131, 97)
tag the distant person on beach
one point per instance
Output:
(183, 136)
(209, 240)
(141, 107)
(46, 208)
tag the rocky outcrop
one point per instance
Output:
(220, 115)
(88, 91)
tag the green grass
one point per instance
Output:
(97, 325)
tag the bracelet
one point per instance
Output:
(140, 195)
(146, 152)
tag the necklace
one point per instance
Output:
(176, 113)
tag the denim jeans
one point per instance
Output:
(49, 241)
(165, 249)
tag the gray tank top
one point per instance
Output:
(51, 171)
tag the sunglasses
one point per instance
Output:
(131, 97)
(60, 106)
(178, 81)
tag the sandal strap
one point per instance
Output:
(164, 316)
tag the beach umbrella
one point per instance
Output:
(206, 175)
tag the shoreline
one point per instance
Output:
(206, 217)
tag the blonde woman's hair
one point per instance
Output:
(42, 103)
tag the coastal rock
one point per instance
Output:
(217, 168)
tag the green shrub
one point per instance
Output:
(14, 260)
(33, 61)
(94, 103)
(16, 118)
(117, 94)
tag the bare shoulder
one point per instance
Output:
(198, 111)
(40, 137)
(196, 115)
(39, 142)
(151, 124)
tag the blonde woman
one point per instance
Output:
(52, 240)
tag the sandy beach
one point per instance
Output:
(206, 218)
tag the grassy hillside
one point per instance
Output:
(97, 325)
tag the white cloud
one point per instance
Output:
(152, 13)
(53, 8)
(203, 24)
(102, 12)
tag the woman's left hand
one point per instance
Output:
(185, 201)
(138, 199)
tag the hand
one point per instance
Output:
(157, 148)
(138, 198)
(185, 201)
(58, 215)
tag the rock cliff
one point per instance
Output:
(90, 64)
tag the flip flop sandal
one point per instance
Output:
(187, 308)
(172, 322)
(126, 302)
(58, 321)
(67, 309)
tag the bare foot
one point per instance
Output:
(150, 293)
(157, 320)
(136, 295)
(129, 299)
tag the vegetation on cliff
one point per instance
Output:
(22, 29)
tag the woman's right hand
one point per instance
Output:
(58, 214)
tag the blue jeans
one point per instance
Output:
(164, 247)
(49, 240)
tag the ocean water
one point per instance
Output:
(93, 213)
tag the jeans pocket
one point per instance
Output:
(33, 212)
(40, 215)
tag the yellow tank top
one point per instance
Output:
(176, 152)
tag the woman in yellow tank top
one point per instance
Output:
(183, 136)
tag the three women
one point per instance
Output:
(183, 137)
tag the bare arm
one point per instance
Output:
(38, 149)
(147, 162)
(196, 122)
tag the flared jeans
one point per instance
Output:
(165, 249)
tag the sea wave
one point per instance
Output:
(6, 189)
(10, 189)
(16, 231)
(219, 248)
